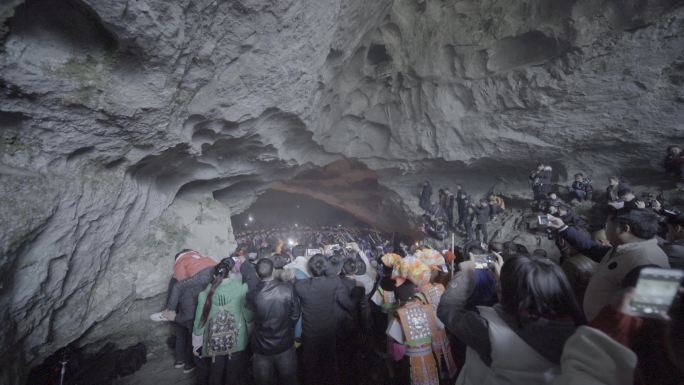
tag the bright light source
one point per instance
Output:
(246, 224)
(291, 242)
(296, 225)
(250, 218)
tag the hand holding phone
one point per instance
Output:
(655, 291)
(543, 220)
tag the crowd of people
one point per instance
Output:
(341, 305)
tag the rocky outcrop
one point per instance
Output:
(131, 129)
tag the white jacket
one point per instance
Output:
(606, 282)
(514, 362)
(590, 357)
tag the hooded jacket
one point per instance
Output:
(590, 357)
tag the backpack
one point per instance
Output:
(222, 333)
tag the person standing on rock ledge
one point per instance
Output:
(540, 179)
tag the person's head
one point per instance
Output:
(349, 267)
(483, 202)
(459, 187)
(553, 196)
(462, 194)
(263, 252)
(509, 250)
(537, 288)
(264, 269)
(496, 246)
(675, 227)
(674, 150)
(317, 265)
(631, 225)
(540, 166)
(299, 251)
(521, 249)
(579, 177)
(613, 181)
(279, 261)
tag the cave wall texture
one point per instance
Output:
(133, 128)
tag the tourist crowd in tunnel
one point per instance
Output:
(342, 305)
(350, 305)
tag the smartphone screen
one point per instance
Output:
(655, 291)
(543, 220)
(482, 261)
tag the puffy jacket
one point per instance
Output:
(591, 357)
(276, 311)
(183, 296)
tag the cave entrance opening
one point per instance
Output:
(280, 209)
(344, 194)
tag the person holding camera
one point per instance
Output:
(581, 189)
(540, 179)
(631, 233)
(481, 215)
(520, 340)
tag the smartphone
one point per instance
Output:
(483, 261)
(543, 220)
(655, 291)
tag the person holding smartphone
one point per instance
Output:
(631, 233)
(520, 340)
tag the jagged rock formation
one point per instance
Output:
(131, 129)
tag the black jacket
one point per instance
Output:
(675, 253)
(462, 202)
(320, 298)
(276, 311)
(183, 294)
(481, 215)
(359, 317)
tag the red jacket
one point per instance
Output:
(190, 263)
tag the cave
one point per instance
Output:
(130, 130)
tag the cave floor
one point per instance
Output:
(158, 370)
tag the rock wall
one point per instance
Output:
(131, 129)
